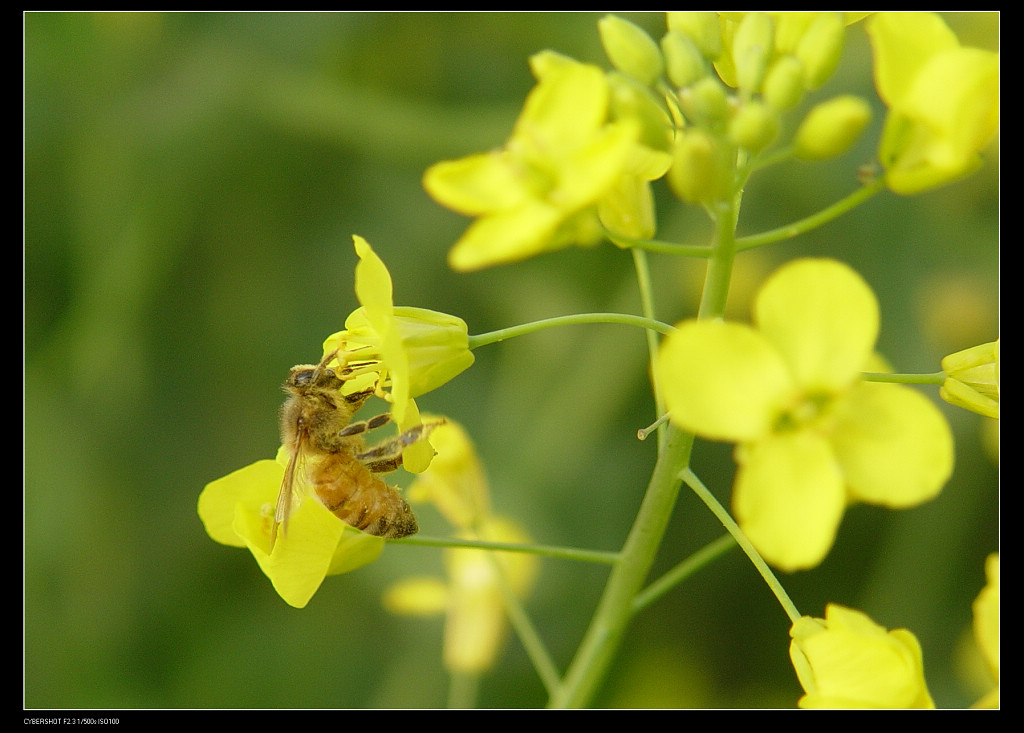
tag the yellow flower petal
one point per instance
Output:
(477, 184)
(507, 236)
(894, 445)
(256, 483)
(415, 457)
(823, 318)
(986, 616)
(943, 100)
(455, 482)
(373, 285)
(956, 95)
(789, 499)
(722, 380)
(569, 103)
(593, 168)
(237, 510)
(417, 596)
(301, 559)
(902, 44)
(846, 660)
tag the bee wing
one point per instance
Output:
(289, 487)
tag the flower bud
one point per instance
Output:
(632, 100)
(831, 128)
(972, 379)
(752, 49)
(820, 48)
(703, 28)
(684, 63)
(846, 660)
(699, 169)
(630, 49)
(754, 126)
(783, 86)
(706, 102)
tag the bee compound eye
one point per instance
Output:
(301, 379)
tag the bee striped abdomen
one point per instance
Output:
(357, 497)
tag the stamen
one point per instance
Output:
(642, 433)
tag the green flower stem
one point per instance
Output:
(602, 639)
(770, 159)
(494, 337)
(814, 221)
(564, 553)
(615, 609)
(719, 274)
(934, 378)
(462, 690)
(643, 277)
(682, 571)
(659, 246)
(526, 631)
(741, 539)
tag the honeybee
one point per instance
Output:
(328, 454)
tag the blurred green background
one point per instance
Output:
(192, 182)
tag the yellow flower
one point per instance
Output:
(455, 482)
(238, 510)
(986, 627)
(972, 379)
(846, 660)
(405, 352)
(540, 191)
(471, 595)
(943, 100)
(409, 351)
(812, 435)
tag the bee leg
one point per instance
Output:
(386, 456)
(361, 427)
(356, 399)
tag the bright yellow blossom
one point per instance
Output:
(238, 510)
(404, 352)
(539, 192)
(416, 349)
(812, 436)
(846, 660)
(943, 100)
(471, 596)
(986, 627)
(455, 483)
